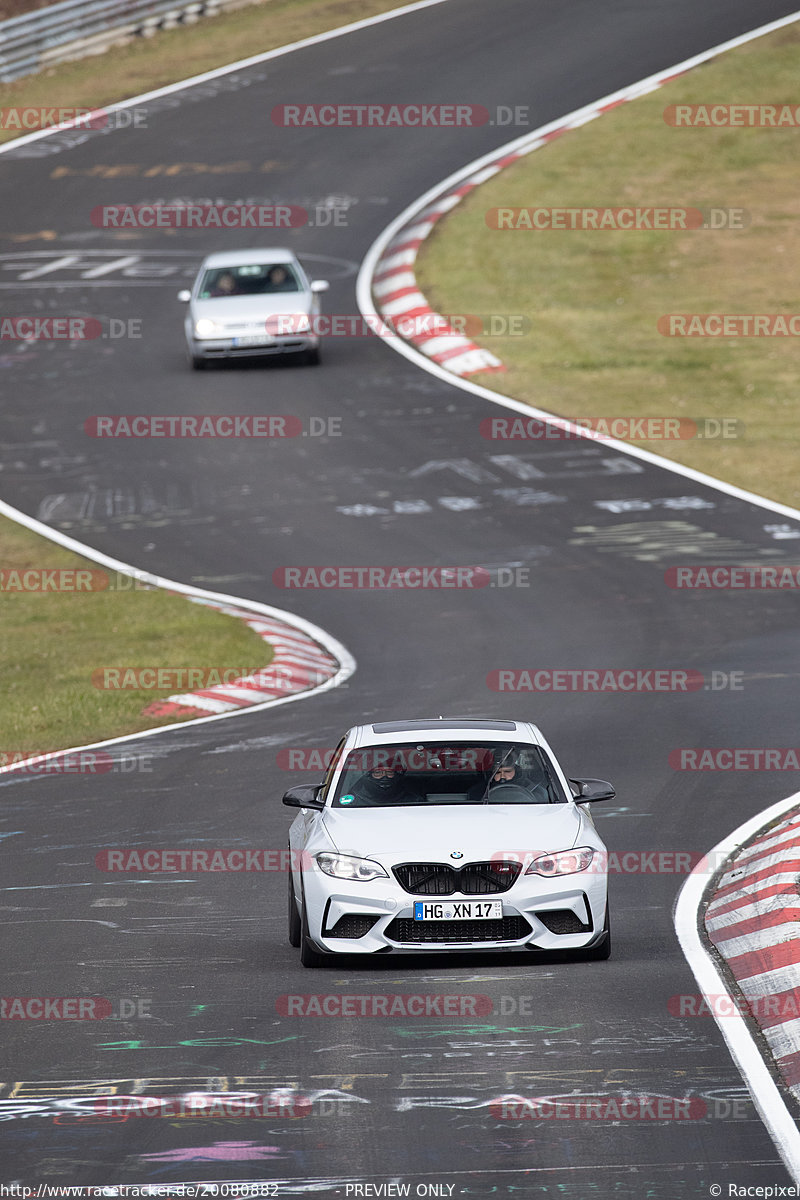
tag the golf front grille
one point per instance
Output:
(500, 929)
(473, 879)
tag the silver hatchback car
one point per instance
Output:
(247, 303)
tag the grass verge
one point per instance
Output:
(52, 641)
(595, 297)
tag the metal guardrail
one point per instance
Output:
(77, 28)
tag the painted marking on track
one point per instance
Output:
(781, 532)
(111, 268)
(658, 541)
(170, 170)
(674, 503)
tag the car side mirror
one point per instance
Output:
(319, 285)
(184, 295)
(587, 791)
(305, 795)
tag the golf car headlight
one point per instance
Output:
(206, 328)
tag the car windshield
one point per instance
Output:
(257, 279)
(454, 773)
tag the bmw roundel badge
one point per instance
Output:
(456, 854)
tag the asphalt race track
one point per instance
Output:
(405, 478)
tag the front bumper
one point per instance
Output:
(534, 909)
(225, 347)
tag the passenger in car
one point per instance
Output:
(225, 285)
(386, 785)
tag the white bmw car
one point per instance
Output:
(247, 303)
(450, 834)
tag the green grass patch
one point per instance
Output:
(595, 297)
(51, 642)
(149, 63)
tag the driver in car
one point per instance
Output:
(507, 770)
(386, 785)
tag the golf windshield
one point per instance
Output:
(251, 279)
(453, 773)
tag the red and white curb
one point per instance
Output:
(753, 920)
(398, 298)
(298, 663)
(307, 659)
(746, 911)
(394, 285)
(387, 278)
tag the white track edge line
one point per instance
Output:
(241, 64)
(743, 1049)
(347, 663)
(376, 250)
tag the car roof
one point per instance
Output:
(434, 729)
(240, 258)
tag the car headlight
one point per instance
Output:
(347, 866)
(206, 328)
(563, 862)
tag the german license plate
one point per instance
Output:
(254, 339)
(457, 910)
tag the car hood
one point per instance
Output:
(248, 308)
(413, 834)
